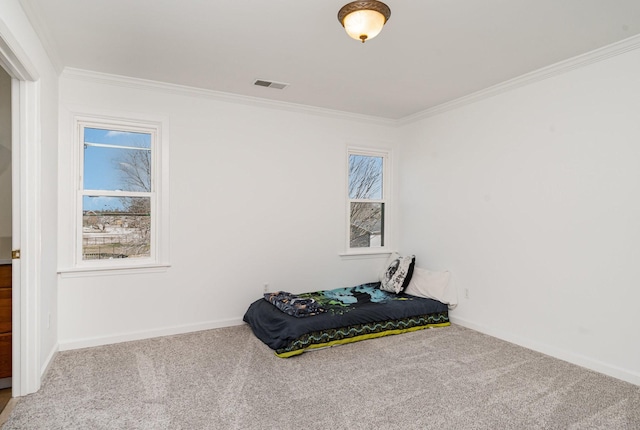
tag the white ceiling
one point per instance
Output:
(430, 51)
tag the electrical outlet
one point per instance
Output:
(466, 293)
(266, 287)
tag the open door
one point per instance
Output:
(25, 227)
(6, 230)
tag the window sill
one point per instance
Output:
(76, 272)
(365, 253)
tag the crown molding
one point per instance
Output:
(601, 54)
(175, 89)
(37, 22)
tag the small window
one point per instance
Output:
(118, 194)
(367, 199)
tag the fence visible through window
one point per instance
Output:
(115, 235)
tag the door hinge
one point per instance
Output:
(15, 254)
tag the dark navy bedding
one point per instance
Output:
(350, 314)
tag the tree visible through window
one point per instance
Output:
(117, 193)
(366, 200)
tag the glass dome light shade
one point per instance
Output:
(364, 24)
(363, 20)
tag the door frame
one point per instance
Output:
(25, 165)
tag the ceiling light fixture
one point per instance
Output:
(363, 20)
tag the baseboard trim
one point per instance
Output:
(146, 334)
(568, 356)
(47, 362)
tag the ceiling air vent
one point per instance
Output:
(270, 84)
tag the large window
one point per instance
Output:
(367, 198)
(118, 194)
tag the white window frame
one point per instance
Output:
(385, 199)
(159, 196)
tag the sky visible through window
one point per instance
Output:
(365, 177)
(108, 156)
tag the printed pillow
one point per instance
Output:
(397, 273)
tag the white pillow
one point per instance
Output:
(432, 285)
(397, 273)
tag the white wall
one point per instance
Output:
(532, 199)
(5, 165)
(42, 154)
(257, 195)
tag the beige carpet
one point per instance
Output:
(445, 378)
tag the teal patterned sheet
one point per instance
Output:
(347, 312)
